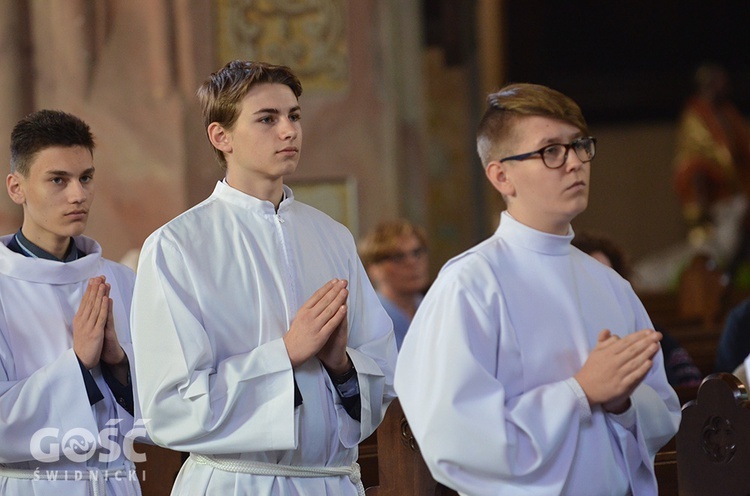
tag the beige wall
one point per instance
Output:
(129, 68)
(632, 197)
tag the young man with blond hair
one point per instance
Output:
(530, 367)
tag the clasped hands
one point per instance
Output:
(320, 329)
(94, 335)
(616, 366)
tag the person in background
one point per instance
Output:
(734, 343)
(679, 366)
(65, 353)
(264, 349)
(529, 367)
(395, 256)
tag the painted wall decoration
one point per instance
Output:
(309, 36)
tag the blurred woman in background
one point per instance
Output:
(395, 256)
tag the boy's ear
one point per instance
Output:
(15, 188)
(497, 174)
(219, 137)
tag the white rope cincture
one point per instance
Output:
(98, 481)
(271, 469)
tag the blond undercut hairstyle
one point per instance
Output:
(495, 132)
(221, 94)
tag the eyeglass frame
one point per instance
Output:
(399, 258)
(572, 144)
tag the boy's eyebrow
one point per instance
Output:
(267, 111)
(90, 170)
(558, 139)
(276, 111)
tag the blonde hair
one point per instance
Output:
(495, 130)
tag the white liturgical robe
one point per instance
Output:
(217, 289)
(45, 413)
(485, 374)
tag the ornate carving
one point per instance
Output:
(719, 439)
(407, 438)
(307, 35)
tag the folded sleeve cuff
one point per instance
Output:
(584, 409)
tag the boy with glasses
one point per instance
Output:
(263, 346)
(530, 367)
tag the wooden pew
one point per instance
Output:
(701, 290)
(159, 471)
(401, 468)
(699, 336)
(402, 471)
(665, 468)
(368, 460)
(665, 462)
(713, 443)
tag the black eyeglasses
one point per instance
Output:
(556, 154)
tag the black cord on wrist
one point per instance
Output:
(339, 379)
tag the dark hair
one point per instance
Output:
(518, 100)
(220, 95)
(590, 243)
(44, 129)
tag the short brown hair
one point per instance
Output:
(382, 241)
(517, 100)
(220, 95)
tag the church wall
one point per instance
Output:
(632, 198)
(131, 67)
